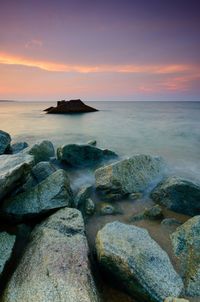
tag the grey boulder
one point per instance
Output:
(18, 147)
(7, 242)
(5, 140)
(42, 151)
(179, 195)
(13, 171)
(137, 261)
(83, 155)
(186, 244)
(52, 193)
(39, 173)
(130, 175)
(55, 266)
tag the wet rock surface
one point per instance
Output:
(55, 265)
(179, 195)
(133, 257)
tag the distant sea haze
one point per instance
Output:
(169, 129)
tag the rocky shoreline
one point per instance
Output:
(45, 246)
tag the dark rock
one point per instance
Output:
(138, 262)
(39, 173)
(5, 140)
(7, 242)
(17, 147)
(83, 194)
(179, 195)
(186, 244)
(13, 172)
(152, 213)
(92, 143)
(72, 106)
(108, 209)
(42, 151)
(171, 222)
(83, 155)
(55, 266)
(52, 193)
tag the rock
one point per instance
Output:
(129, 175)
(55, 265)
(13, 171)
(92, 143)
(52, 193)
(135, 196)
(39, 173)
(170, 299)
(72, 106)
(17, 147)
(171, 222)
(83, 155)
(41, 151)
(179, 195)
(5, 140)
(137, 261)
(152, 213)
(7, 242)
(89, 207)
(83, 194)
(108, 209)
(186, 244)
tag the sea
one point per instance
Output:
(167, 129)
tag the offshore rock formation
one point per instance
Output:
(72, 106)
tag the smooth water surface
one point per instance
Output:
(170, 129)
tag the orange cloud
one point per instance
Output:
(62, 67)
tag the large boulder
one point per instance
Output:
(137, 261)
(83, 155)
(18, 147)
(55, 265)
(129, 175)
(7, 242)
(42, 151)
(52, 193)
(186, 244)
(39, 173)
(13, 171)
(5, 140)
(179, 195)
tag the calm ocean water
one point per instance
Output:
(170, 129)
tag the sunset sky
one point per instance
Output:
(100, 50)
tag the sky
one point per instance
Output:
(100, 50)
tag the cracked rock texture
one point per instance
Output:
(55, 265)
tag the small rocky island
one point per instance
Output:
(72, 106)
